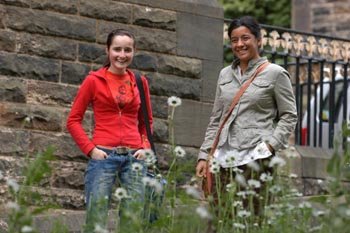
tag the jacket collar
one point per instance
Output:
(101, 73)
(252, 66)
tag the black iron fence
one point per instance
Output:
(320, 73)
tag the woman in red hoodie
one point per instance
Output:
(119, 134)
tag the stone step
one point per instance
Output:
(63, 198)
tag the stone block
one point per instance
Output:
(155, 40)
(210, 74)
(181, 66)
(159, 106)
(314, 161)
(145, 61)
(69, 175)
(169, 85)
(20, 3)
(293, 162)
(13, 89)
(92, 53)
(74, 73)
(191, 121)
(65, 147)
(342, 26)
(13, 141)
(62, 6)
(46, 118)
(7, 41)
(64, 198)
(12, 166)
(160, 130)
(107, 10)
(209, 8)
(47, 46)
(207, 33)
(29, 67)
(46, 93)
(146, 38)
(154, 18)
(321, 11)
(50, 23)
(2, 16)
(314, 187)
(31, 117)
(14, 115)
(105, 27)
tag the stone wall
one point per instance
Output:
(47, 47)
(327, 17)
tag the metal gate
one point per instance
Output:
(320, 74)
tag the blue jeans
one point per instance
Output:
(100, 177)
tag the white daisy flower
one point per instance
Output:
(151, 182)
(254, 183)
(203, 212)
(254, 165)
(120, 193)
(147, 181)
(12, 205)
(277, 161)
(230, 187)
(305, 205)
(237, 204)
(230, 158)
(157, 186)
(275, 189)
(13, 184)
(347, 212)
(241, 180)
(137, 167)
(28, 119)
(174, 101)
(179, 152)
(99, 229)
(214, 166)
(237, 170)
(214, 169)
(318, 213)
(193, 192)
(25, 229)
(243, 214)
(150, 158)
(242, 194)
(250, 192)
(265, 177)
(239, 225)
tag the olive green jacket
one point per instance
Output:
(266, 111)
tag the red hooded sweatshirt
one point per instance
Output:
(113, 126)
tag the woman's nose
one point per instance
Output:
(239, 42)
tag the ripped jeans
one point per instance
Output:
(100, 177)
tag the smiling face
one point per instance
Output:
(245, 45)
(120, 53)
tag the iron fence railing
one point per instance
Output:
(319, 68)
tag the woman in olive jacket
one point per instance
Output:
(265, 115)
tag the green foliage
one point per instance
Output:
(272, 12)
(38, 168)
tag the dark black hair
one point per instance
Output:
(248, 22)
(114, 33)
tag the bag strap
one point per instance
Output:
(233, 104)
(144, 110)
